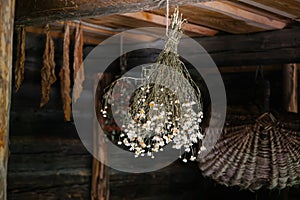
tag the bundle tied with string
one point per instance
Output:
(167, 106)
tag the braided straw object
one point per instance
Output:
(261, 153)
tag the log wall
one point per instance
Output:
(7, 10)
(49, 162)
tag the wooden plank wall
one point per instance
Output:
(49, 162)
(6, 42)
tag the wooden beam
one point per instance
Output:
(41, 12)
(161, 20)
(280, 46)
(93, 34)
(7, 9)
(236, 12)
(288, 8)
(100, 172)
(213, 19)
(273, 47)
(290, 87)
(265, 48)
(257, 10)
(42, 167)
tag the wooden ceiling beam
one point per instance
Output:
(29, 12)
(257, 10)
(251, 18)
(161, 20)
(283, 8)
(6, 58)
(274, 47)
(57, 33)
(93, 34)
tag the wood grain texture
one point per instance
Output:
(257, 10)
(267, 23)
(161, 20)
(213, 19)
(100, 172)
(288, 8)
(290, 87)
(37, 12)
(6, 45)
(48, 168)
(56, 163)
(273, 47)
(260, 48)
(20, 57)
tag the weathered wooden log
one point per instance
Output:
(100, 172)
(265, 48)
(48, 168)
(36, 12)
(290, 87)
(7, 10)
(253, 49)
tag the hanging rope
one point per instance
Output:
(167, 18)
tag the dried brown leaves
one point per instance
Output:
(20, 59)
(48, 70)
(78, 64)
(64, 75)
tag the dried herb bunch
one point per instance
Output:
(64, 75)
(167, 107)
(20, 59)
(78, 63)
(48, 69)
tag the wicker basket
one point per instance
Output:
(254, 154)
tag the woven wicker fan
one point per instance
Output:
(260, 153)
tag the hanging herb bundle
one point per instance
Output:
(78, 63)
(20, 60)
(48, 69)
(167, 107)
(64, 75)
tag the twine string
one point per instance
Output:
(167, 18)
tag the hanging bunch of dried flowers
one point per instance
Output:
(48, 70)
(166, 108)
(64, 75)
(20, 59)
(78, 63)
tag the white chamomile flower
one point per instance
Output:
(193, 158)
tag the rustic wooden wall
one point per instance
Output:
(7, 10)
(49, 162)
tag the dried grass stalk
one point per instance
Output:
(48, 70)
(64, 75)
(78, 63)
(20, 60)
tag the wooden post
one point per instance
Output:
(290, 83)
(7, 9)
(100, 172)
